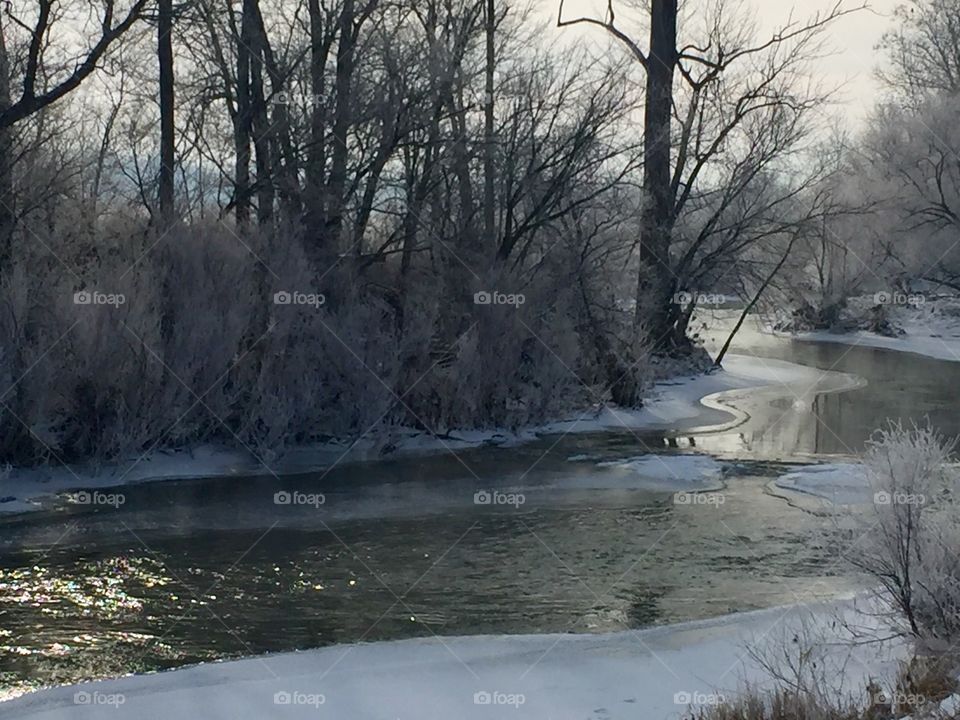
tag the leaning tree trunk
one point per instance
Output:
(654, 285)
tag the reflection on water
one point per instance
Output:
(796, 420)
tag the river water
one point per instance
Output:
(197, 570)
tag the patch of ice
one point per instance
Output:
(837, 483)
(668, 472)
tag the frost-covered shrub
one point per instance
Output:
(807, 667)
(209, 345)
(908, 539)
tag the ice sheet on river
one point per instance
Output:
(663, 472)
(837, 483)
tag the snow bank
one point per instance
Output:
(836, 483)
(931, 328)
(25, 489)
(930, 345)
(649, 674)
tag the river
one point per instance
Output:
(197, 570)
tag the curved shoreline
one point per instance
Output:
(723, 401)
(801, 500)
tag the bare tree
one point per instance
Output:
(489, 149)
(923, 49)
(912, 169)
(732, 83)
(42, 84)
(7, 210)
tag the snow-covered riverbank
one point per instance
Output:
(930, 326)
(649, 674)
(701, 402)
(919, 340)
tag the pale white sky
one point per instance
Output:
(853, 38)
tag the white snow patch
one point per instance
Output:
(933, 346)
(698, 402)
(950, 706)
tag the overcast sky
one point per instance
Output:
(853, 37)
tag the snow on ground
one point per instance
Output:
(931, 328)
(649, 674)
(836, 483)
(687, 403)
(918, 342)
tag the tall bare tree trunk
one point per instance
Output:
(165, 59)
(314, 216)
(262, 145)
(461, 168)
(489, 218)
(341, 124)
(243, 127)
(654, 284)
(283, 156)
(254, 128)
(7, 210)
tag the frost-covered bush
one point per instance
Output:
(201, 350)
(810, 668)
(909, 538)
